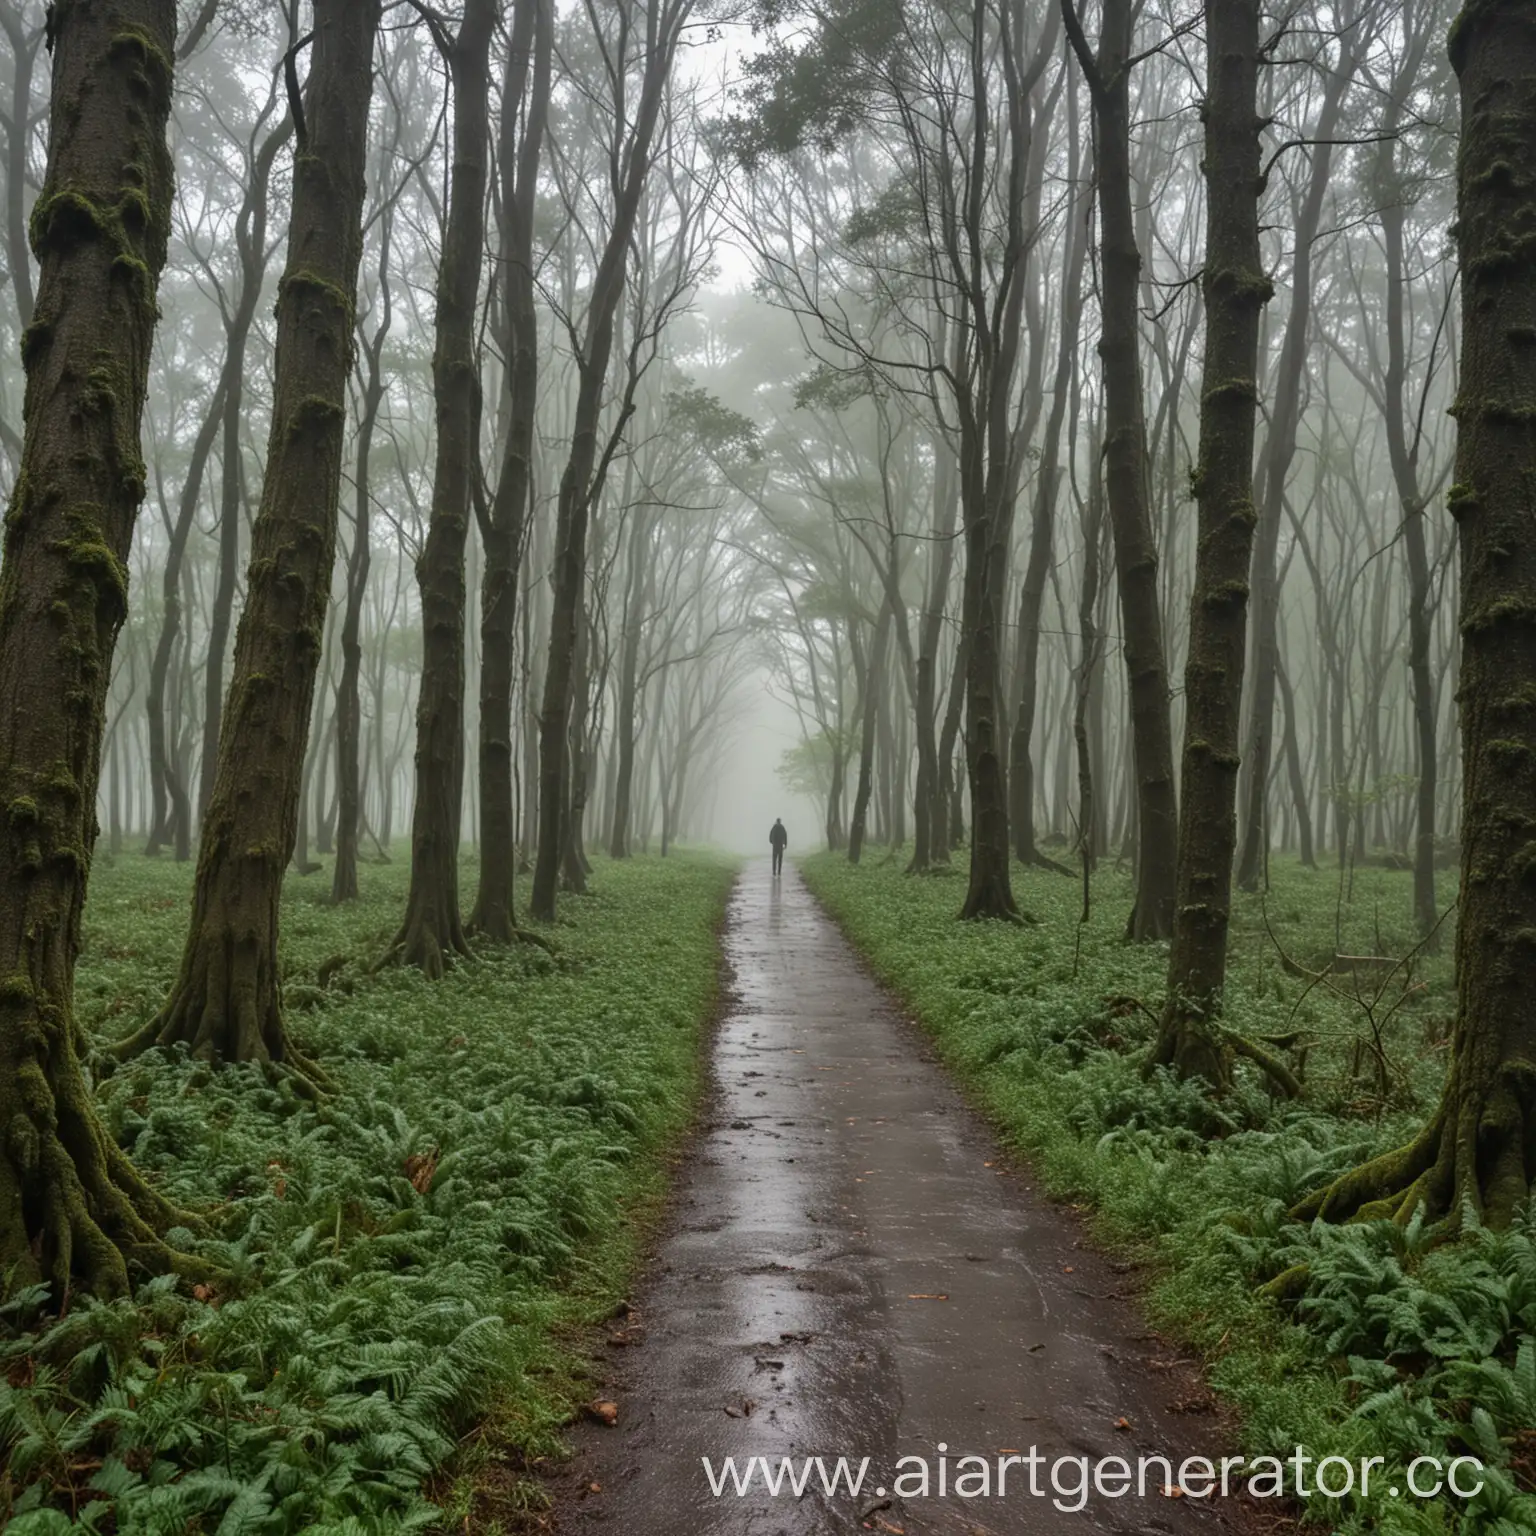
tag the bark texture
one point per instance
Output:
(1125, 469)
(529, 53)
(1236, 291)
(227, 1003)
(432, 931)
(1478, 1153)
(73, 1211)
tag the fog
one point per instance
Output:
(750, 792)
(766, 477)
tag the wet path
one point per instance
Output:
(847, 1273)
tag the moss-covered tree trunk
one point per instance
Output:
(226, 1003)
(432, 932)
(1235, 290)
(72, 1209)
(1479, 1150)
(528, 72)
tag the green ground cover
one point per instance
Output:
(1398, 1347)
(403, 1262)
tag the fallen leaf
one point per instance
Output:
(927, 1296)
(1172, 1491)
(1122, 1424)
(594, 1487)
(604, 1412)
(1067, 1269)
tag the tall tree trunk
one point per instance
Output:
(573, 864)
(73, 1211)
(1279, 453)
(870, 700)
(1236, 290)
(1298, 780)
(431, 933)
(227, 1003)
(251, 243)
(349, 703)
(173, 811)
(929, 808)
(1478, 1153)
(626, 723)
(1125, 461)
(529, 50)
(24, 43)
(232, 498)
(1089, 784)
(1041, 540)
(574, 507)
(989, 465)
(1405, 471)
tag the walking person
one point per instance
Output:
(778, 840)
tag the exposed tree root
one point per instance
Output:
(430, 946)
(1270, 1065)
(1289, 1285)
(504, 929)
(1191, 1050)
(1393, 1185)
(989, 895)
(74, 1211)
(1475, 1156)
(227, 1007)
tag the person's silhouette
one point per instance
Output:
(778, 840)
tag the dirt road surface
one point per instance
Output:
(850, 1270)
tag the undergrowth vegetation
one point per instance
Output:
(395, 1264)
(1396, 1346)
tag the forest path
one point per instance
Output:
(838, 1187)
